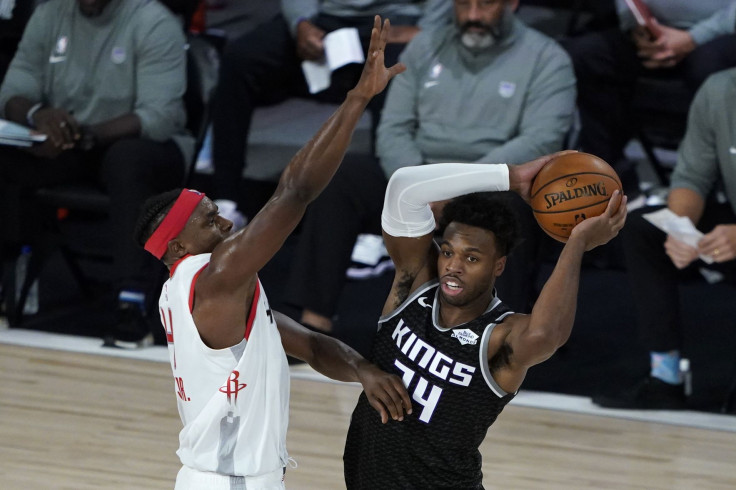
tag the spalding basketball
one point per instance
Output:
(569, 189)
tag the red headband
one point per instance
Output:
(174, 222)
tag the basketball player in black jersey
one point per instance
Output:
(460, 352)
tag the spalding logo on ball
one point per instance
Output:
(569, 189)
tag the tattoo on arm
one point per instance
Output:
(403, 288)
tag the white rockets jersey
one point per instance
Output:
(234, 403)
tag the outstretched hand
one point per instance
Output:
(375, 74)
(601, 229)
(522, 176)
(385, 392)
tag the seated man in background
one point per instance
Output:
(696, 39)
(263, 67)
(104, 79)
(657, 264)
(486, 88)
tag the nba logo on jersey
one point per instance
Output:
(465, 336)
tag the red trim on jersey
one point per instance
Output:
(191, 288)
(253, 308)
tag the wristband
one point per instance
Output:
(31, 112)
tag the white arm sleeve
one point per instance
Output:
(406, 211)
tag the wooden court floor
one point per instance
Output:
(81, 421)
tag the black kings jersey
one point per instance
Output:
(454, 398)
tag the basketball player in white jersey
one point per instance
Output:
(226, 346)
(460, 351)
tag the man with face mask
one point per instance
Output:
(485, 88)
(104, 80)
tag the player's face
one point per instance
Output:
(468, 264)
(205, 228)
(481, 17)
(92, 8)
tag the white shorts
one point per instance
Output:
(191, 479)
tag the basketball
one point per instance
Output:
(569, 189)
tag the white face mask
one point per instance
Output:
(477, 40)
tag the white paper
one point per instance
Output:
(341, 48)
(17, 135)
(679, 228)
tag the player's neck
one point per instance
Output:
(453, 315)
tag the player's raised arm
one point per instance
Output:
(535, 337)
(304, 178)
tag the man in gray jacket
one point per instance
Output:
(104, 80)
(658, 264)
(694, 40)
(485, 88)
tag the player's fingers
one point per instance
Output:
(396, 69)
(379, 407)
(560, 153)
(385, 32)
(392, 403)
(613, 203)
(375, 34)
(401, 390)
(399, 397)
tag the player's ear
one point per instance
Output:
(176, 249)
(500, 266)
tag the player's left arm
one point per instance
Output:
(535, 337)
(385, 392)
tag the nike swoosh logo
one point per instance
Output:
(56, 59)
(430, 83)
(732, 150)
(423, 301)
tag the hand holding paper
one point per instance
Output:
(341, 48)
(678, 227)
(14, 134)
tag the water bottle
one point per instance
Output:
(21, 269)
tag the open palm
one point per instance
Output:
(375, 74)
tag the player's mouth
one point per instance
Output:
(451, 286)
